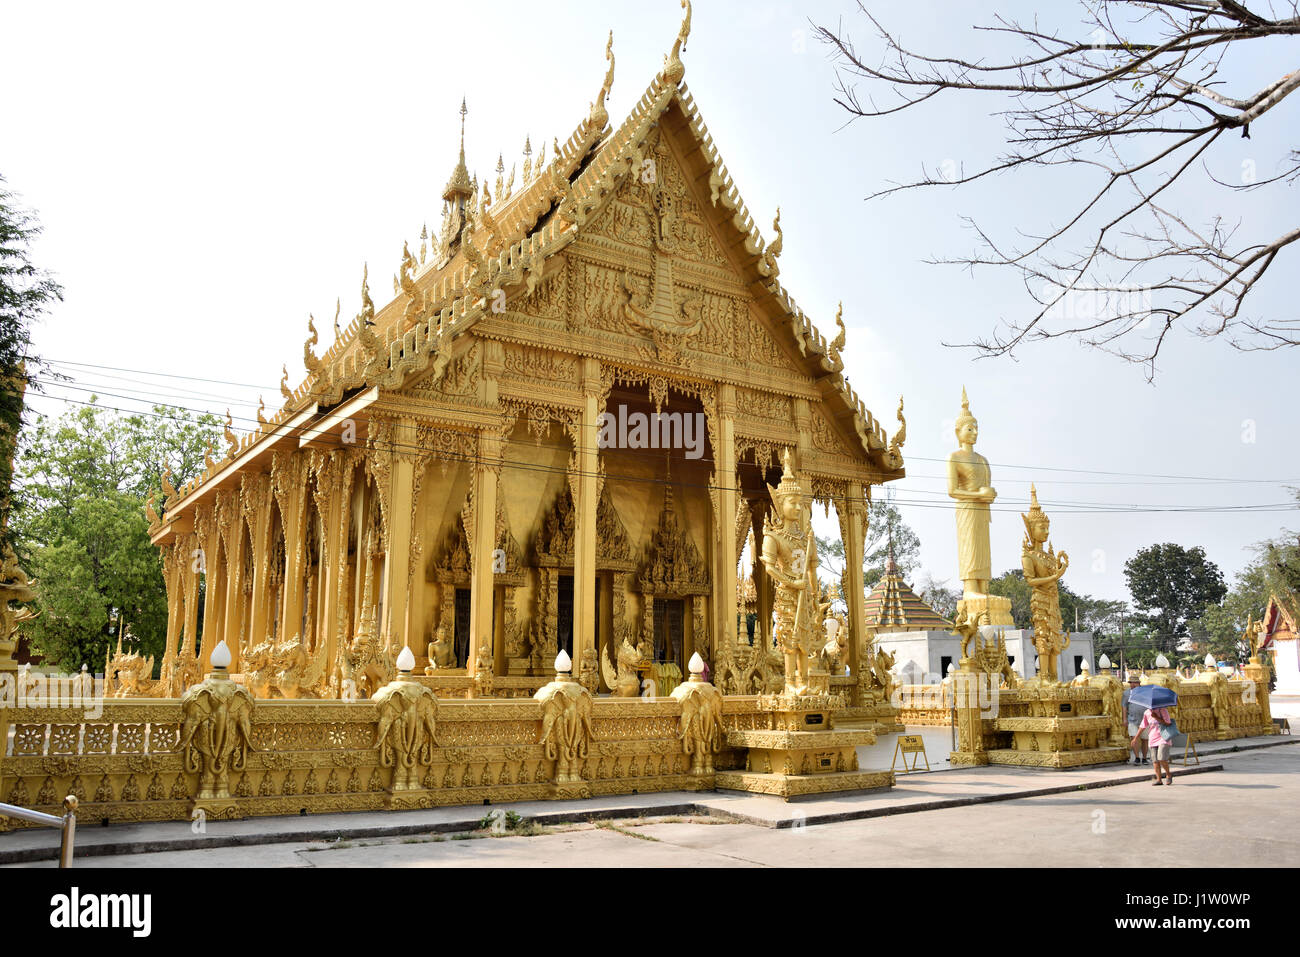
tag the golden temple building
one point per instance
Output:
(557, 435)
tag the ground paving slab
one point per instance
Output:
(942, 787)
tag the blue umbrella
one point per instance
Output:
(1153, 696)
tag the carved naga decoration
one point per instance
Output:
(621, 676)
(228, 432)
(309, 358)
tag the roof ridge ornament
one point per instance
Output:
(599, 116)
(309, 358)
(674, 69)
(837, 344)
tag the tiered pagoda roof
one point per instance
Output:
(893, 606)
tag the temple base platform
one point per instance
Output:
(801, 753)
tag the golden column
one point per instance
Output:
(175, 599)
(724, 479)
(762, 584)
(256, 494)
(855, 544)
(189, 571)
(341, 472)
(487, 469)
(233, 619)
(584, 558)
(214, 574)
(289, 477)
(398, 553)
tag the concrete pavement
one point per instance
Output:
(922, 798)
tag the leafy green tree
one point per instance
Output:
(81, 530)
(25, 293)
(1172, 586)
(1011, 584)
(1220, 627)
(1078, 612)
(884, 525)
(938, 595)
(1281, 567)
(1275, 572)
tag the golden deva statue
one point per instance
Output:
(790, 557)
(1043, 569)
(968, 482)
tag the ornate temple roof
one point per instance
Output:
(893, 606)
(1279, 622)
(502, 240)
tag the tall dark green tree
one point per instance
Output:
(81, 531)
(25, 293)
(1171, 586)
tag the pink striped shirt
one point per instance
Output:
(1158, 733)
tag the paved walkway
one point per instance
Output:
(1199, 822)
(916, 792)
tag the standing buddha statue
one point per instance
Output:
(968, 482)
(969, 478)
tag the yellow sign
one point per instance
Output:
(910, 744)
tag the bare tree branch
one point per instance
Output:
(1141, 101)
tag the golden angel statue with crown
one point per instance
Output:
(1043, 569)
(790, 558)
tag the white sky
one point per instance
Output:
(208, 176)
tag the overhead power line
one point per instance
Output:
(1058, 509)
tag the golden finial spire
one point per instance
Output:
(674, 69)
(458, 187)
(284, 382)
(338, 307)
(774, 250)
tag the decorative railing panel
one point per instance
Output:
(131, 762)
